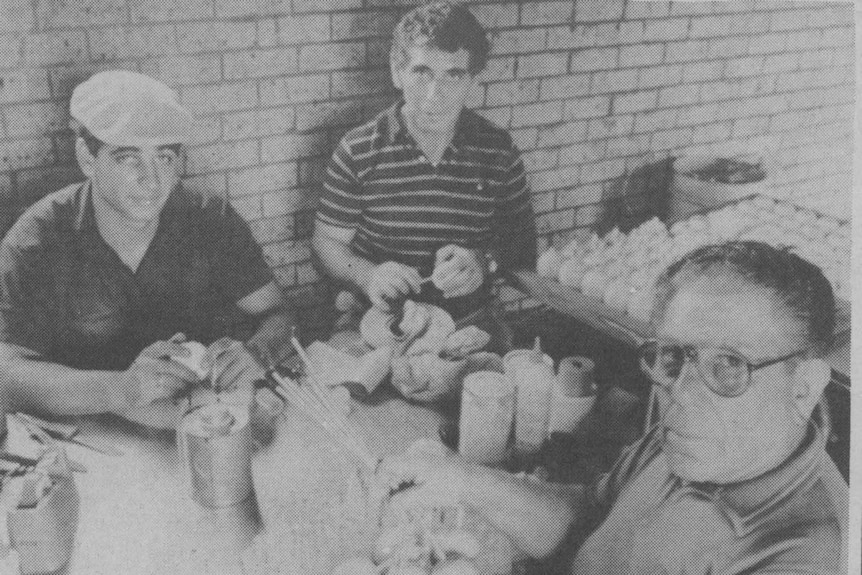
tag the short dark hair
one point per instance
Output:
(446, 26)
(799, 285)
(93, 143)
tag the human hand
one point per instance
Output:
(231, 365)
(390, 280)
(436, 476)
(154, 376)
(426, 377)
(458, 271)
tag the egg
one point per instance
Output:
(617, 294)
(571, 272)
(593, 283)
(548, 264)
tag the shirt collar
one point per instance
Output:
(748, 503)
(394, 128)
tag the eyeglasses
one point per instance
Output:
(725, 372)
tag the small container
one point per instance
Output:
(44, 535)
(533, 377)
(573, 396)
(218, 459)
(487, 411)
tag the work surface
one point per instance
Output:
(137, 516)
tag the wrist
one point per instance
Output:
(122, 391)
(361, 271)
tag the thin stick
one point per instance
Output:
(328, 420)
(321, 392)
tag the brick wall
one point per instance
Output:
(590, 89)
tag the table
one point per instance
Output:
(137, 516)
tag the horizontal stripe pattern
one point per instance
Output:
(402, 207)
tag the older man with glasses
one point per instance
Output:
(734, 477)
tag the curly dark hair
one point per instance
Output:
(443, 25)
(799, 285)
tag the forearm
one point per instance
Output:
(50, 388)
(537, 516)
(338, 261)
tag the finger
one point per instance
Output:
(164, 349)
(221, 365)
(377, 301)
(216, 350)
(423, 496)
(238, 373)
(173, 369)
(178, 337)
(412, 278)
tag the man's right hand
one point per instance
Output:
(153, 376)
(390, 280)
(437, 475)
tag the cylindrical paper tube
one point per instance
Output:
(573, 396)
(487, 409)
(216, 443)
(575, 376)
(533, 377)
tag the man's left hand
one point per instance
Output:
(458, 271)
(232, 365)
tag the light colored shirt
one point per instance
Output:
(788, 520)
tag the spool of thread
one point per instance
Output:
(532, 373)
(574, 394)
(216, 444)
(575, 376)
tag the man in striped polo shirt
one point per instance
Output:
(429, 189)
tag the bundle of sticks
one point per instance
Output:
(314, 399)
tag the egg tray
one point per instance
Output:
(594, 312)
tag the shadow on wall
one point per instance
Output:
(636, 197)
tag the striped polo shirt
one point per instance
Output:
(404, 208)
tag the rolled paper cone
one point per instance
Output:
(218, 460)
(567, 412)
(575, 376)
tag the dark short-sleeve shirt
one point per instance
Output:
(788, 520)
(66, 294)
(404, 208)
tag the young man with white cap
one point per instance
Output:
(102, 281)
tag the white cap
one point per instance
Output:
(129, 109)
